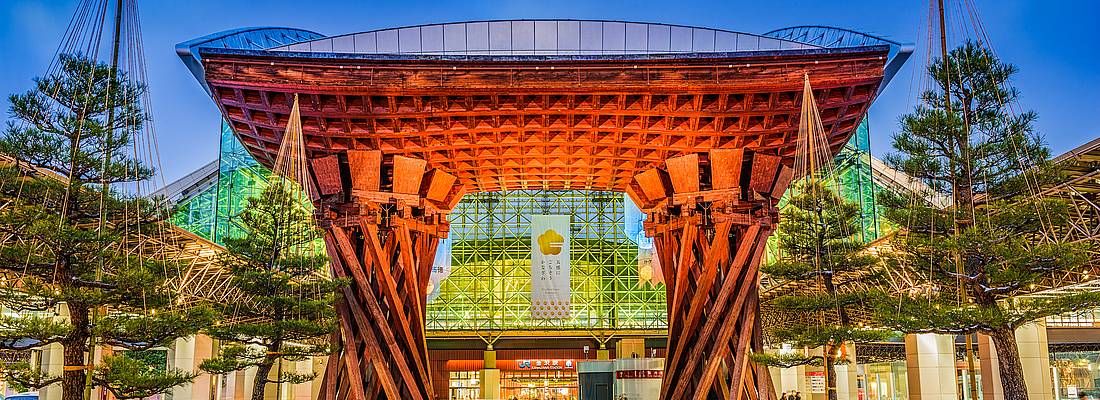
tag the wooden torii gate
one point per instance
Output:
(703, 145)
(709, 214)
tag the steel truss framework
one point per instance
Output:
(1079, 187)
(488, 290)
(198, 278)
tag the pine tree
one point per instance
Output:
(993, 242)
(288, 312)
(66, 230)
(819, 247)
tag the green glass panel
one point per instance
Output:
(489, 286)
(196, 214)
(856, 183)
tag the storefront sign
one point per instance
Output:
(640, 374)
(878, 368)
(816, 381)
(545, 364)
(550, 266)
(638, 378)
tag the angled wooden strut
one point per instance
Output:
(710, 215)
(383, 218)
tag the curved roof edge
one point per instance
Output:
(521, 58)
(478, 21)
(833, 37)
(255, 38)
(798, 38)
(543, 37)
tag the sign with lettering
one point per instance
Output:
(550, 266)
(816, 381)
(640, 374)
(545, 364)
(441, 269)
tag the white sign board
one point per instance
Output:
(816, 381)
(638, 378)
(441, 269)
(550, 266)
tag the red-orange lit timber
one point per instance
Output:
(704, 145)
(383, 242)
(546, 124)
(710, 215)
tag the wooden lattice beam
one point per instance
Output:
(505, 125)
(382, 224)
(710, 221)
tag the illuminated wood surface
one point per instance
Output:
(703, 145)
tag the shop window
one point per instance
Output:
(465, 385)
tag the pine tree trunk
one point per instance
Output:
(262, 372)
(830, 372)
(75, 345)
(1011, 370)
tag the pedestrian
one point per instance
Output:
(797, 395)
(784, 396)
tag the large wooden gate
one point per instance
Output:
(709, 214)
(703, 144)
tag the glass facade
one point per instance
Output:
(488, 287)
(855, 182)
(1076, 375)
(883, 381)
(464, 385)
(211, 213)
(539, 385)
(547, 37)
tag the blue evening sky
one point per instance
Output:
(1053, 42)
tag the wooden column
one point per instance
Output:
(383, 218)
(710, 216)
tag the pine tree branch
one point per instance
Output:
(24, 375)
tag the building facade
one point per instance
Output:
(479, 300)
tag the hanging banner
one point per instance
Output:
(649, 265)
(441, 269)
(550, 266)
